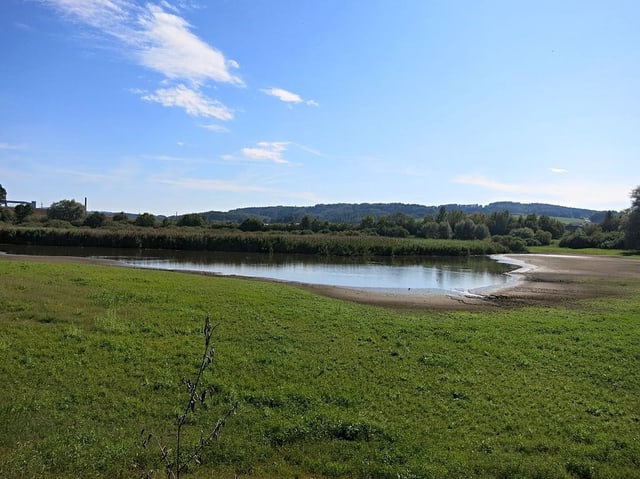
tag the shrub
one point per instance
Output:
(192, 219)
(543, 237)
(145, 220)
(66, 210)
(512, 243)
(95, 219)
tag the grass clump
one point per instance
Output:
(325, 388)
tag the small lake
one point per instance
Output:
(408, 275)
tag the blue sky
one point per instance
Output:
(180, 106)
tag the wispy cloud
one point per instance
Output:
(166, 158)
(558, 170)
(484, 182)
(212, 185)
(156, 37)
(215, 128)
(192, 101)
(287, 96)
(266, 151)
(168, 46)
(12, 147)
(577, 192)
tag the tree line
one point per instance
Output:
(516, 232)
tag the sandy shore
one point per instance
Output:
(539, 279)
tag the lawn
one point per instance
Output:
(92, 355)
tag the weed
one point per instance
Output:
(183, 456)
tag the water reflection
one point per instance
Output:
(407, 275)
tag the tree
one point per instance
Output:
(121, 217)
(464, 230)
(22, 212)
(67, 210)
(95, 219)
(251, 224)
(444, 230)
(192, 219)
(632, 226)
(498, 222)
(552, 225)
(145, 219)
(3, 196)
(610, 222)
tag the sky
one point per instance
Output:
(180, 106)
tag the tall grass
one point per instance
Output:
(235, 241)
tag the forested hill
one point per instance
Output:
(353, 213)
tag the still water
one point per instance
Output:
(409, 275)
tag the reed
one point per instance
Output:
(252, 242)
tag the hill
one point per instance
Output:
(353, 213)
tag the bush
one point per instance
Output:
(252, 224)
(95, 219)
(6, 215)
(580, 239)
(66, 210)
(512, 243)
(192, 219)
(543, 237)
(145, 220)
(22, 212)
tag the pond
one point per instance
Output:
(408, 275)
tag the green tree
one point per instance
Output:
(444, 230)
(498, 222)
(543, 237)
(95, 219)
(251, 224)
(22, 212)
(455, 216)
(121, 217)
(192, 219)
(632, 226)
(145, 219)
(611, 221)
(552, 225)
(67, 210)
(3, 196)
(464, 230)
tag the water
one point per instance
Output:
(412, 275)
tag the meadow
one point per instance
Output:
(92, 355)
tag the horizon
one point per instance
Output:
(173, 107)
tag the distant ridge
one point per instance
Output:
(352, 213)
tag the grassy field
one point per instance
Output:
(555, 249)
(91, 355)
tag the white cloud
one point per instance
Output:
(215, 128)
(558, 170)
(192, 101)
(156, 37)
(484, 182)
(578, 193)
(9, 146)
(212, 185)
(287, 96)
(266, 151)
(169, 47)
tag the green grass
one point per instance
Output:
(91, 355)
(555, 249)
